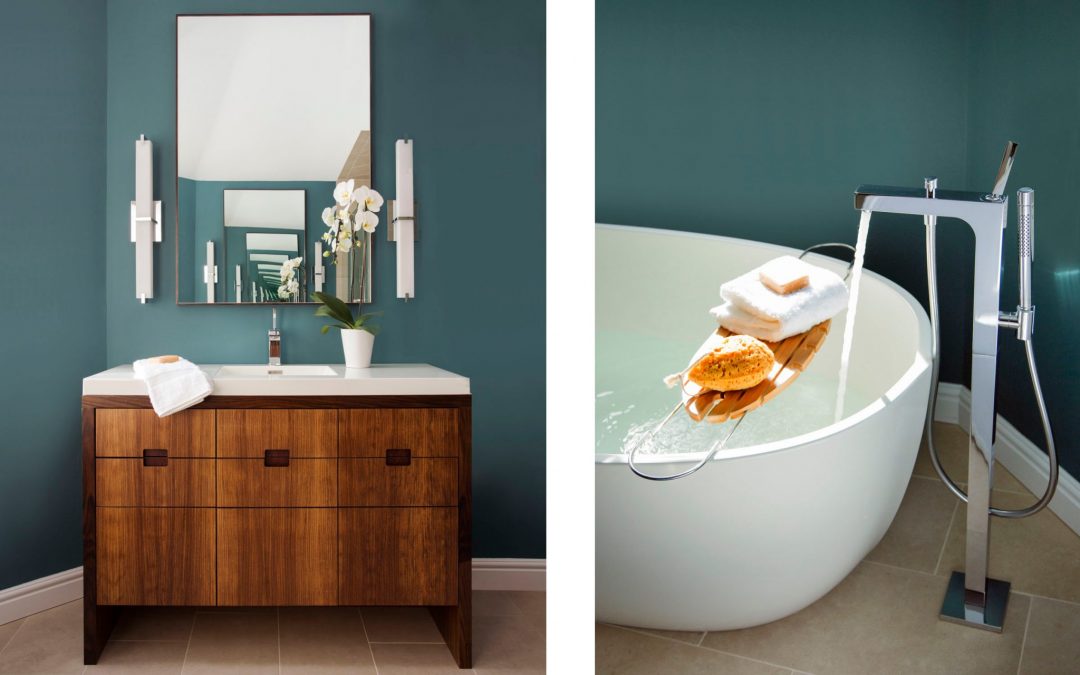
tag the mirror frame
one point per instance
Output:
(176, 152)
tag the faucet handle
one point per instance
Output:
(998, 193)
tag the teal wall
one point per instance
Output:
(52, 330)
(758, 120)
(1031, 53)
(465, 79)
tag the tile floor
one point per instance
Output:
(508, 637)
(883, 617)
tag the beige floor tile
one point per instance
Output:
(233, 643)
(414, 659)
(400, 624)
(7, 630)
(1039, 555)
(689, 637)
(530, 602)
(324, 640)
(533, 606)
(49, 642)
(141, 657)
(1053, 639)
(507, 644)
(494, 603)
(623, 652)
(918, 532)
(952, 445)
(154, 623)
(881, 617)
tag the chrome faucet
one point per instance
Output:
(972, 598)
(274, 336)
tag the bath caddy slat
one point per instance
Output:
(792, 354)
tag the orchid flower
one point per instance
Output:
(343, 193)
(369, 198)
(367, 220)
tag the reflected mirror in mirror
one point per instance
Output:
(260, 149)
(263, 230)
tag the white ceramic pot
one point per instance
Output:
(357, 344)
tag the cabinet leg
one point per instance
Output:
(98, 623)
(455, 624)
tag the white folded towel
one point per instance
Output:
(752, 308)
(173, 386)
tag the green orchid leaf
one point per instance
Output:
(335, 308)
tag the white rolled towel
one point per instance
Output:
(752, 308)
(173, 386)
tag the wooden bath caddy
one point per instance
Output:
(792, 355)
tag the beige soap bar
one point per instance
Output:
(785, 274)
(167, 358)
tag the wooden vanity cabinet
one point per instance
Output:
(250, 501)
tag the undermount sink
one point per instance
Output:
(276, 371)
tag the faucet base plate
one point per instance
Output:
(991, 617)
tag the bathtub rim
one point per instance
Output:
(920, 365)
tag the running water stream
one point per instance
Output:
(853, 303)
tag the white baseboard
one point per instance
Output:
(509, 574)
(40, 594)
(489, 574)
(1016, 453)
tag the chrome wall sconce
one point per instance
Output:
(145, 219)
(402, 215)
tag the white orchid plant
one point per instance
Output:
(352, 215)
(290, 286)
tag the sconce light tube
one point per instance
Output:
(210, 272)
(320, 270)
(239, 285)
(404, 220)
(145, 219)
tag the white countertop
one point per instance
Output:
(390, 379)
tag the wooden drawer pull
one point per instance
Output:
(276, 458)
(155, 457)
(398, 457)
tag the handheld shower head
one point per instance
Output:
(1025, 228)
(1025, 221)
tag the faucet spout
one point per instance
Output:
(274, 340)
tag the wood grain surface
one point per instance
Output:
(424, 481)
(427, 432)
(155, 556)
(127, 432)
(304, 433)
(182, 482)
(277, 557)
(304, 482)
(296, 402)
(398, 556)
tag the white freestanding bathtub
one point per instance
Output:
(776, 521)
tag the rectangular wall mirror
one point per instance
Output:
(271, 112)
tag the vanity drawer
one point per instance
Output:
(155, 481)
(304, 433)
(395, 556)
(155, 556)
(277, 557)
(425, 432)
(126, 432)
(390, 482)
(277, 480)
